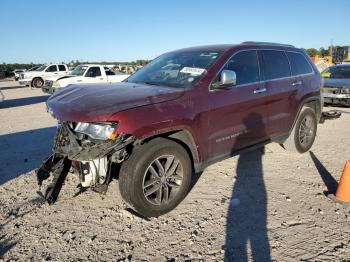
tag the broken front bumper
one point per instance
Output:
(72, 147)
(81, 148)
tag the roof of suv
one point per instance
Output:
(225, 47)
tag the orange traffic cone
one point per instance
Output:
(343, 190)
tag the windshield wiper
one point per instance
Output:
(148, 83)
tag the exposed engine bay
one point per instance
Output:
(92, 159)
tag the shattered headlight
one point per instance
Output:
(100, 131)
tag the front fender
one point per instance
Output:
(162, 119)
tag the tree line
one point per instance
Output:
(12, 66)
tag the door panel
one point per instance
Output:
(282, 89)
(237, 119)
(95, 75)
(281, 107)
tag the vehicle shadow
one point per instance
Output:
(327, 178)
(247, 215)
(23, 101)
(11, 87)
(23, 151)
(5, 245)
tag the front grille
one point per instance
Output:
(48, 83)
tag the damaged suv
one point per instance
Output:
(185, 110)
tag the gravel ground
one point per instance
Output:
(264, 205)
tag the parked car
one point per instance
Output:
(37, 77)
(83, 74)
(155, 130)
(336, 87)
(17, 73)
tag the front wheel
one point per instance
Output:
(156, 177)
(303, 134)
(38, 82)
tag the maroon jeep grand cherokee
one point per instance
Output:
(185, 110)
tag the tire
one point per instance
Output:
(136, 180)
(306, 123)
(37, 82)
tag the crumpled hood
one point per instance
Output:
(331, 82)
(97, 102)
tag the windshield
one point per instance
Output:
(178, 69)
(79, 70)
(40, 68)
(338, 72)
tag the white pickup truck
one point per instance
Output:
(83, 74)
(37, 77)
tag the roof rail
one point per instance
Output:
(265, 43)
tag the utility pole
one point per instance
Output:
(331, 48)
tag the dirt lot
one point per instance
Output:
(264, 205)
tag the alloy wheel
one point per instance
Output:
(306, 131)
(162, 179)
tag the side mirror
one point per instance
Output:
(227, 78)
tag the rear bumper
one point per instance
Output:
(336, 96)
(339, 96)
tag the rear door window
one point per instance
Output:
(245, 64)
(61, 68)
(298, 64)
(275, 64)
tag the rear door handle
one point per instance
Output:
(297, 83)
(259, 90)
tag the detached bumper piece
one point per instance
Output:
(329, 115)
(58, 167)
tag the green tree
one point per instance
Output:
(312, 51)
(324, 52)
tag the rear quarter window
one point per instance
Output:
(275, 64)
(299, 64)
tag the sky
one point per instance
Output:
(43, 31)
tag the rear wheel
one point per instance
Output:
(37, 82)
(303, 134)
(156, 177)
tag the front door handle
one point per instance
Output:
(259, 90)
(297, 83)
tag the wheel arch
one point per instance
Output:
(184, 138)
(311, 102)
